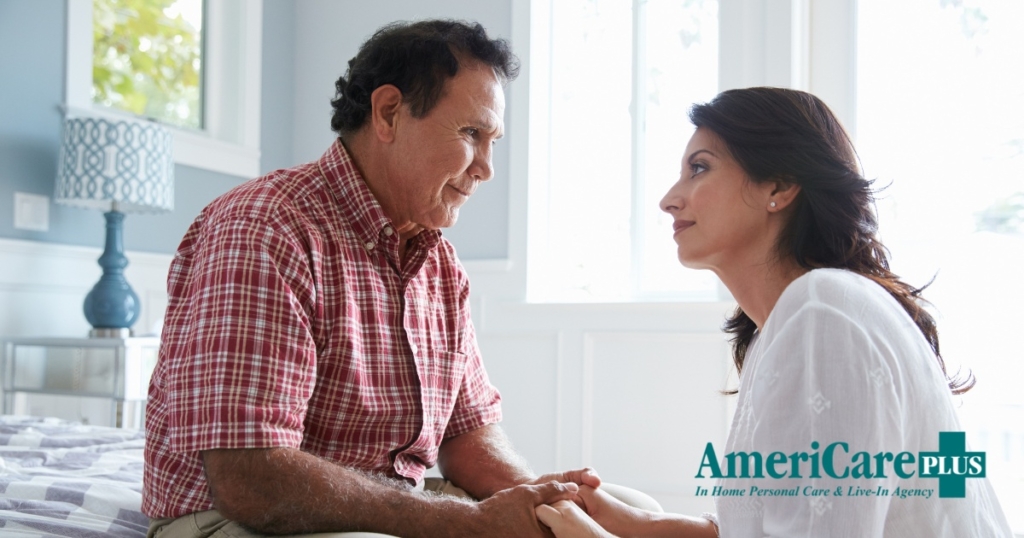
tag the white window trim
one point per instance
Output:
(230, 142)
(802, 44)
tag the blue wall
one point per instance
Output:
(32, 71)
(32, 66)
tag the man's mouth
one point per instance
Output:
(466, 193)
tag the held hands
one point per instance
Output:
(513, 510)
(510, 512)
(605, 516)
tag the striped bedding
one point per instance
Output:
(64, 479)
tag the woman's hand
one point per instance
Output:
(566, 520)
(612, 514)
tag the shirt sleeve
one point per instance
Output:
(821, 379)
(243, 368)
(478, 402)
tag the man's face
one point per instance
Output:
(438, 160)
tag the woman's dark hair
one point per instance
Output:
(418, 58)
(786, 135)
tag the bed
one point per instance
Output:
(59, 478)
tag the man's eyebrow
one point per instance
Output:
(491, 127)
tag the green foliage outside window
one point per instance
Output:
(147, 60)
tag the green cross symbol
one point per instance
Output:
(951, 444)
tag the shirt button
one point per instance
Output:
(388, 231)
(369, 245)
(414, 348)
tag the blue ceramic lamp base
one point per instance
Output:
(112, 306)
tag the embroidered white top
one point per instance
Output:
(839, 360)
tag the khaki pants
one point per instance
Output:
(210, 524)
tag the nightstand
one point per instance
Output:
(115, 369)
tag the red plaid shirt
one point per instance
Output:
(291, 322)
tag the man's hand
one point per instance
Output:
(581, 477)
(511, 512)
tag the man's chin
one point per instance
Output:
(448, 220)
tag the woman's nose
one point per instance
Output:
(673, 199)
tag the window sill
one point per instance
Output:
(191, 148)
(200, 151)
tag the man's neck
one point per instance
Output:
(370, 163)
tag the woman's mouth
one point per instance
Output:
(681, 225)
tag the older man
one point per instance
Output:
(318, 354)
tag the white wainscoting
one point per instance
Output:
(630, 389)
(42, 288)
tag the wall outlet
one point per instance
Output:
(31, 212)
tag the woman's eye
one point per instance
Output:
(697, 168)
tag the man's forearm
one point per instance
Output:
(483, 462)
(287, 491)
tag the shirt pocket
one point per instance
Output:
(441, 383)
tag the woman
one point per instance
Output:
(831, 346)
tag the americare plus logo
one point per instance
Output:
(952, 465)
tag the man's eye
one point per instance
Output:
(472, 131)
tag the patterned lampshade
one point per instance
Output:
(121, 165)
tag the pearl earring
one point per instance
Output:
(772, 204)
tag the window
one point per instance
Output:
(147, 58)
(940, 122)
(620, 80)
(227, 137)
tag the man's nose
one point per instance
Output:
(482, 168)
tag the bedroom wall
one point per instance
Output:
(295, 117)
(32, 68)
(32, 65)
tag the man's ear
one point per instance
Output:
(385, 103)
(782, 194)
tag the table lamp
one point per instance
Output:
(117, 167)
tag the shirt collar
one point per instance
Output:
(371, 226)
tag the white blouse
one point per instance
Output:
(839, 360)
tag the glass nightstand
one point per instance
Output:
(114, 369)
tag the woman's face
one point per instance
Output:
(720, 215)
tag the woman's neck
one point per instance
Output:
(758, 287)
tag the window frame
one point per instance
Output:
(229, 142)
(761, 43)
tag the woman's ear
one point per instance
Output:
(782, 195)
(385, 103)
